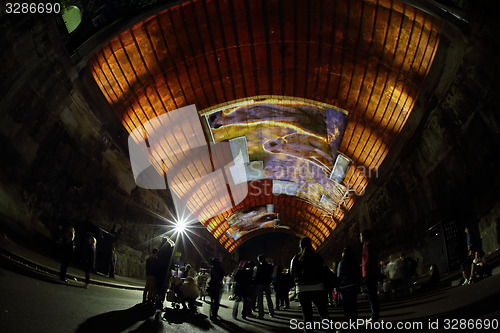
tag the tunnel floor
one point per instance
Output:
(460, 308)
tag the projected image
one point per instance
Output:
(296, 142)
(250, 219)
(305, 147)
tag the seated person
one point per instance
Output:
(433, 280)
(479, 269)
(387, 272)
(409, 271)
(187, 291)
(186, 272)
(201, 281)
(394, 276)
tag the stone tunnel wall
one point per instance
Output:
(445, 167)
(59, 163)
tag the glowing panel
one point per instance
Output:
(239, 146)
(296, 141)
(284, 187)
(254, 170)
(340, 168)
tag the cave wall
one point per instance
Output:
(63, 151)
(444, 167)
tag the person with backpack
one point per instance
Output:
(263, 276)
(242, 289)
(308, 270)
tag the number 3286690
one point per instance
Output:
(32, 8)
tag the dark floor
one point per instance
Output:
(447, 306)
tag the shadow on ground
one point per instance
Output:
(150, 325)
(118, 321)
(181, 316)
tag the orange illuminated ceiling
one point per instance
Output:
(368, 58)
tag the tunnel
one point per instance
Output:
(237, 128)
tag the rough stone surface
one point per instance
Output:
(64, 157)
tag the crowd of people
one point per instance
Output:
(308, 279)
(67, 248)
(398, 275)
(87, 259)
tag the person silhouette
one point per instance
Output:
(349, 277)
(215, 287)
(68, 250)
(370, 271)
(263, 276)
(89, 254)
(307, 268)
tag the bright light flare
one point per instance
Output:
(181, 229)
(180, 226)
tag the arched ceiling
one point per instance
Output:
(303, 82)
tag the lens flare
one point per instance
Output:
(181, 226)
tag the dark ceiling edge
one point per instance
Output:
(80, 55)
(455, 17)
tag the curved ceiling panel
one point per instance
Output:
(368, 58)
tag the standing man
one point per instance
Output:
(471, 240)
(370, 271)
(89, 257)
(162, 269)
(263, 276)
(150, 291)
(112, 263)
(243, 281)
(282, 284)
(215, 288)
(348, 274)
(67, 249)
